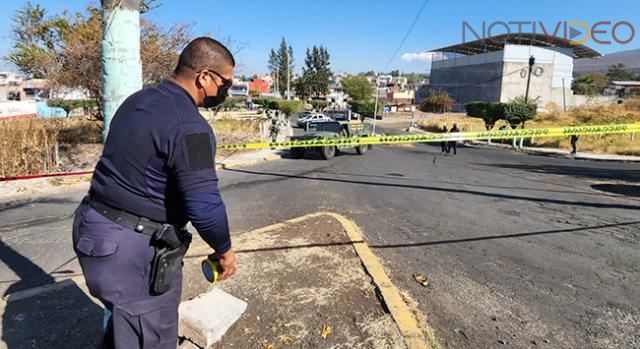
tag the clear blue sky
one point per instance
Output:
(360, 35)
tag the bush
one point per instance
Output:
(490, 112)
(70, 104)
(476, 109)
(290, 107)
(261, 101)
(437, 102)
(230, 102)
(364, 108)
(255, 93)
(273, 104)
(517, 111)
(317, 104)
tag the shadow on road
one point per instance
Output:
(315, 155)
(12, 205)
(63, 317)
(437, 242)
(621, 189)
(436, 189)
(631, 175)
(399, 176)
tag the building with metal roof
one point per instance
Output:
(496, 69)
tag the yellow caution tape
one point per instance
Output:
(440, 137)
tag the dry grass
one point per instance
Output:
(623, 144)
(28, 146)
(230, 131)
(465, 123)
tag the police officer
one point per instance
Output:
(156, 173)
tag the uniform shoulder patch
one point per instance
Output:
(199, 151)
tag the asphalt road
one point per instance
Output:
(521, 251)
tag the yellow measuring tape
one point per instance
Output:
(440, 137)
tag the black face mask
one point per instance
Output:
(214, 101)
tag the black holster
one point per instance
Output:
(170, 246)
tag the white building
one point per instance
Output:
(496, 69)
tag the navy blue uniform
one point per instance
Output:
(157, 163)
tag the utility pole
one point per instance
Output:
(288, 81)
(277, 81)
(532, 61)
(375, 109)
(121, 64)
(564, 97)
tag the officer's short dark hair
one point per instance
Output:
(203, 53)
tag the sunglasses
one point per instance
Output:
(226, 83)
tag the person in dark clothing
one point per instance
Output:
(574, 144)
(443, 145)
(454, 143)
(156, 174)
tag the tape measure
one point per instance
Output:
(211, 269)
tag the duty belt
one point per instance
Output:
(134, 222)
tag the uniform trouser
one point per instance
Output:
(454, 145)
(116, 263)
(444, 148)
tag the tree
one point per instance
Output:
(590, 84)
(66, 48)
(302, 87)
(281, 63)
(367, 73)
(358, 88)
(618, 72)
(438, 102)
(161, 48)
(316, 71)
(518, 112)
(34, 38)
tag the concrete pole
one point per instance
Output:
(288, 83)
(564, 97)
(375, 108)
(121, 64)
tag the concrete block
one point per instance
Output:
(205, 319)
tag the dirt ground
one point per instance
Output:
(299, 279)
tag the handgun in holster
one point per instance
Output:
(170, 245)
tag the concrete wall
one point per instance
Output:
(502, 75)
(478, 82)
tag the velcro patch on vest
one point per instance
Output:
(199, 151)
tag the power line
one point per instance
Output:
(406, 36)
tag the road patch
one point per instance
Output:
(306, 269)
(305, 287)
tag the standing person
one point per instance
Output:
(156, 173)
(443, 145)
(453, 143)
(574, 144)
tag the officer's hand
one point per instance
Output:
(229, 264)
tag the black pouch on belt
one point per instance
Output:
(170, 246)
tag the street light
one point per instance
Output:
(375, 109)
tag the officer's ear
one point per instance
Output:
(201, 79)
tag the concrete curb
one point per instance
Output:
(35, 291)
(222, 166)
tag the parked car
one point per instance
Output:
(304, 120)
